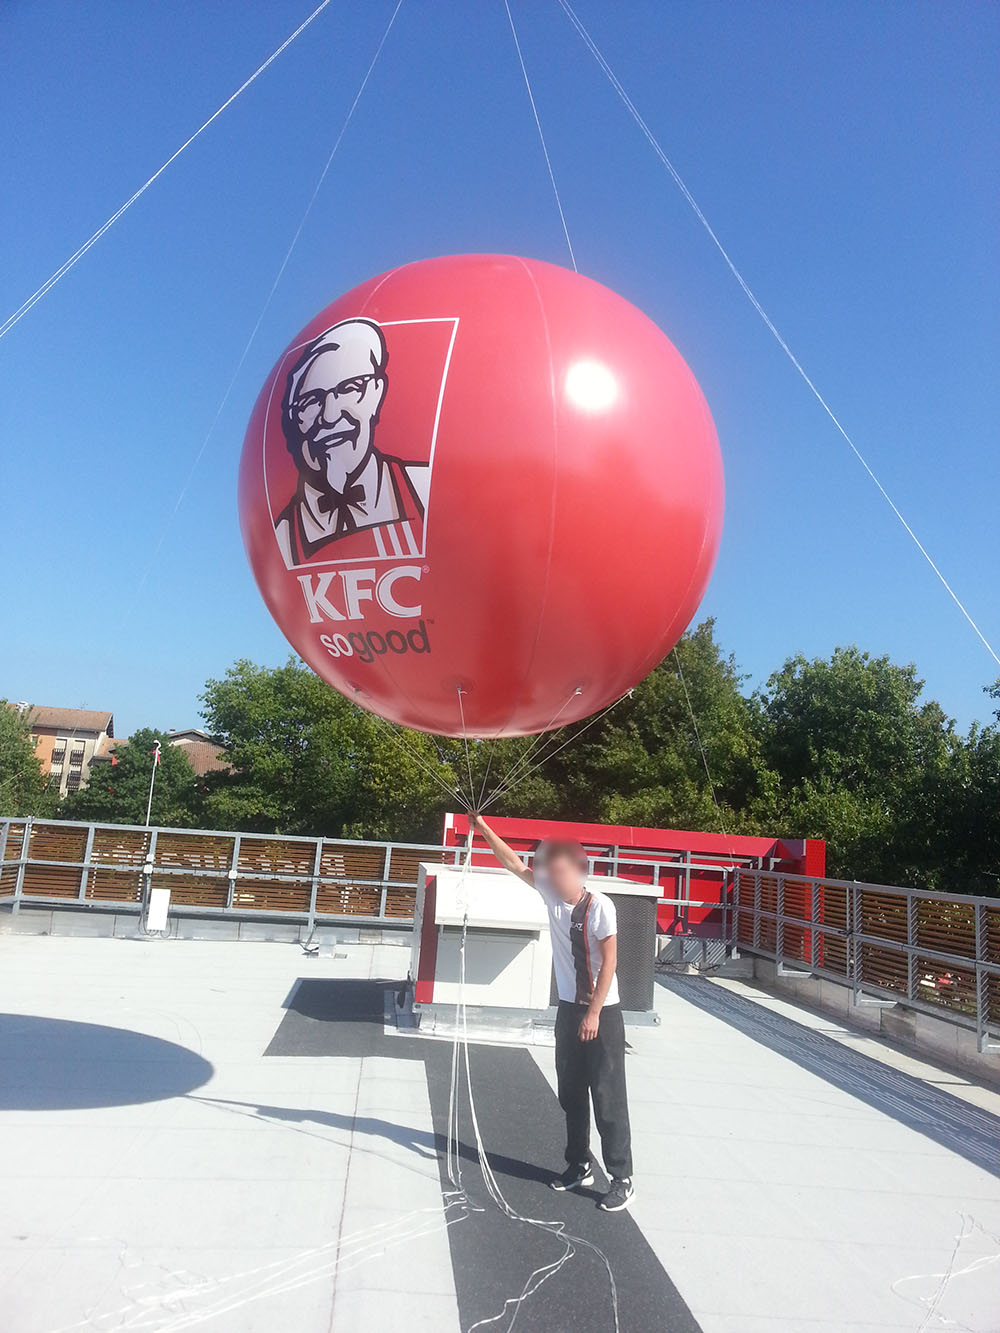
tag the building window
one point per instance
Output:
(58, 754)
(73, 781)
(76, 757)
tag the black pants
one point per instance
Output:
(586, 1069)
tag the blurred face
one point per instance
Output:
(565, 876)
(336, 407)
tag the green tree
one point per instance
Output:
(23, 788)
(861, 762)
(643, 763)
(969, 851)
(117, 793)
(304, 759)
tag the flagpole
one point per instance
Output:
(152, 779)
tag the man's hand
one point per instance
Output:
(507, 857)
(591, 1022)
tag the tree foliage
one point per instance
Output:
(117, 793)
(306, 760)
(843, 748)
(23, 789)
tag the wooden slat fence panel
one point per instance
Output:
(117, 858)
(271, 895)
(54, 842)
(194, 851)
(192, 890)
(265, 856)
(12, 852)
(991, 948)
(768, 903)
(350, 862)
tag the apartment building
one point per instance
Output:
(66, 740)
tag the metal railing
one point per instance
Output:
(113, 867)
(934, 952)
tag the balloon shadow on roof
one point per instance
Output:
(55, 1064)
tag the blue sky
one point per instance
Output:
(846, 153)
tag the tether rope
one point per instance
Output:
(465, 742)
(541, 136)
(264, 309)
(697, 736)
(544, 759)
(678, 181)
(77, 255)
(521, 760)
(398, 735)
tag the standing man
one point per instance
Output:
(590, 1030)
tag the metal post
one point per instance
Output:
(234, 870)
(756, 911)
(4, 831)
(779, 932)
(814, 918)
(853, 947)
(147, 879)
(86, 863)
(385, 876)
(314, 886)
(25, 849)
(982, 982)
(911, 943)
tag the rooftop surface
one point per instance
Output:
(191, 1137)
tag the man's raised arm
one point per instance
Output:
(506, 855)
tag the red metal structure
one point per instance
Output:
(693, 871)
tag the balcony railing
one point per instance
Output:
(935, 952)
(114, 866)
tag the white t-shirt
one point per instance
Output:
(575, 932)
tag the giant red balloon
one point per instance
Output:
(481, 474)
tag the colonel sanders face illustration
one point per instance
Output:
(333, 397)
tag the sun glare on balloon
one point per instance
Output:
(591, 386)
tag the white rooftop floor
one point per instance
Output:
(775, 1199)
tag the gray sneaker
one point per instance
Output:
(619, 1196)
(576, 1176)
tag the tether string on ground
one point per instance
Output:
(78, 254)
(679, 182)
(264, 309)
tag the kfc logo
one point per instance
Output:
(362, 473)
